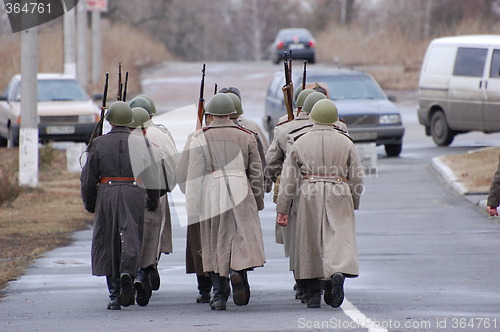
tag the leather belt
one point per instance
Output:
(324, 178)
(111, 180)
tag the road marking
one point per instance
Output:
(360, 319)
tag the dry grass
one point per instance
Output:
(39, 219)
(393, 59)
(474, 170)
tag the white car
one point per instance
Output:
(65, 111)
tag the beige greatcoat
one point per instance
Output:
(275, 157)
(224, 189)
(157, 236)
(325, 236)
(194, 263)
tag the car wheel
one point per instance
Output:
(440, 131)
(393, 150)
(312, 60)
(3, 141)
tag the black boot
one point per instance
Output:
(126, 289)
(143, 287)
(240, 294)
(154, 277)
(204, 288)
(114, 293)
(337, 282)
(247, 285)
(314, 293)
(219, 285)
(300, 288)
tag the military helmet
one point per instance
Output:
(232, 90)
(141, 102)
(299, 102)
(237, 105)
(119, 114)
(141, 118)
(324, 112)
(310, 100)
(296, 93)
(153, 107)
(220, 104)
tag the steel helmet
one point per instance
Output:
(302, 96)
(220, 104)
(141, 118)
(119, 114)
(237, 105)
(153, 107)
(310, 100)
(141, 102)
(296, 93)
(231, 89)
(324, 112)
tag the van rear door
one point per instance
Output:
(492, 103)
(466, 93)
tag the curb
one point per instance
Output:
(448, 175)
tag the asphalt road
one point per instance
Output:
(428, 257)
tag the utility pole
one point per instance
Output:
(96, 46)
(28, 133)
(81, 43)
(69, 43)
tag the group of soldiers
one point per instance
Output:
(224, 171)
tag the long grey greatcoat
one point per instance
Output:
(225, 191)
(324, 178)
(275, 157)
(157, 236)
(119, 208)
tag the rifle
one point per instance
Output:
(124, 97)
(288, 90)
(98, 128)
(201, 101)
(304, 76)
(120, 84)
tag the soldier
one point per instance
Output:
(262, 144)
(245, 122)
(323, 176)
(194, 262)
(224, 190)
(308, 103)
(494, 194)
(115, 184)
(157, 236)
(275, 157)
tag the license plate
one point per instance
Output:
(60, 130)
(296, 46)
(363, 136)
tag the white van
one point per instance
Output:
(459, 87)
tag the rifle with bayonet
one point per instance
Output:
(288, 89)
(120, 84)
(304, 77)
(201, 101)
(98, 128)
(124, 95)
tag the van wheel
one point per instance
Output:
(441, 133)
(393, 150)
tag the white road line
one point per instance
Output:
(359, 318)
